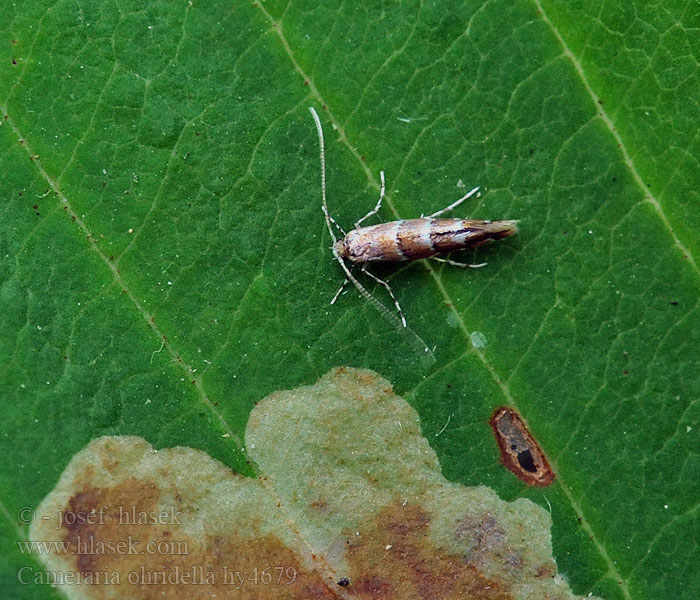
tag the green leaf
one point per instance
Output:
(364, 507)
(166, 263)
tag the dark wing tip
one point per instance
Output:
(502, 229)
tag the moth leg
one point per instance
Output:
(340, 290)
(454, 263)
(455, 204)
(332, 220)
(375, 210)
(388, 289)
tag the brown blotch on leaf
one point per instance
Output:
(354, 507)
(520, 453)
(149, 537)
(394, 557)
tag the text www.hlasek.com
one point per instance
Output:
(91, 546)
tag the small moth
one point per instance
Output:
(404, 240)
(520, 453)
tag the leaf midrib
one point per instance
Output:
(608, 121)
(462, 326)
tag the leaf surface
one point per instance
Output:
(166, 264)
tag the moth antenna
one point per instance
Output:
(384, 311)
(324, 205)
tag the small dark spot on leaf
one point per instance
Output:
(14, 62)
(526, 461)
(520, 453)
(674, 303)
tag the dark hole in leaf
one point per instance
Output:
(526, 462)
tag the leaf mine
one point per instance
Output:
(520, 452)
(352, 504)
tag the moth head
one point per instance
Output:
(340, 249)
